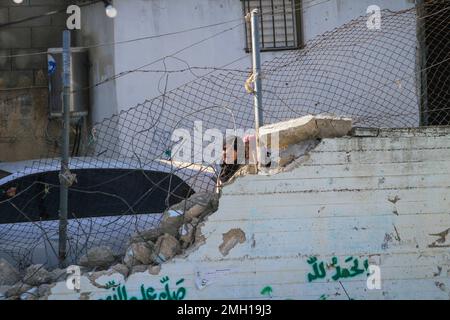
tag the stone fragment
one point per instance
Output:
(36, 275)
(100, 257)
(166, 248)
(139, 253)
(8, 274)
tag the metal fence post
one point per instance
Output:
(64, 187)
(256, 59)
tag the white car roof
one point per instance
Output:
(186, 171)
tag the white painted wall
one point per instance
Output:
(140, 18)
(97, 28)
(384, 199)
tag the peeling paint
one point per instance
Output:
(230, 240)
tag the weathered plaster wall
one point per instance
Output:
(383, 199)
(153, 17)
(97, 28)
(23, 113)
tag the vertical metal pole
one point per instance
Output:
(64, 188)
(422, 63)
(256, 58)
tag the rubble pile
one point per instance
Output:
(146, 251)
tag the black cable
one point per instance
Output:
(47, 14)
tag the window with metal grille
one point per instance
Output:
(280, 24)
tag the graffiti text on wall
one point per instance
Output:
(353, 269)
(120, 292)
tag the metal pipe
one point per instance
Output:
(64, 186)
(256, 58)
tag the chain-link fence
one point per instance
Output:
(393, 76)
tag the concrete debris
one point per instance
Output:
(305, 128)
(293, 152)
(36, 275)
(172, 220)
(187, 233)
(154, 270)
(44, 290)
(101, 257)
(8, 274)
(94, 276)
(146, 252)
(32, 294)
(3, 290)
(146, 235)
(139, 269)
(230, 240)
(200, 205)
(197, 206)
(85, 296)
(16, 290)
(58, 275)
(166, 247)
(120, 268)
(139, 253)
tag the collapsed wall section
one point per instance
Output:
(379, 198)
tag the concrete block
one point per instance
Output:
(15, 79)
(24, 12)
(5, 63)
(15, 38)
(306, 128)
(4, 15)
(25, 61)
(41, 78)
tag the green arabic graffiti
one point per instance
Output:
(353, 270)
(267, 291)
(120, 292)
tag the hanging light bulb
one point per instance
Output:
(110, 10)
(18, 1)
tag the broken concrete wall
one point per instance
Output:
(379, 199)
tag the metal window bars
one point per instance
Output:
(280, 24)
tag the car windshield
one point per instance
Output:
(96, 193)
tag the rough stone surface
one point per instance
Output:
(197, 206)
(154, 270)
(305, 128)
(36, 275)
(98, 257)
(32, 294)
(230, 240)
(139, 268)
(187, 233)
(58, 275)
(146, 235)
(295, 151)
(166, 248)
(139, 253)
(8, 274)
(3, 290)
(201, 204)
(121, 268)
(44, 290)
(172, 219)
(16, 290)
